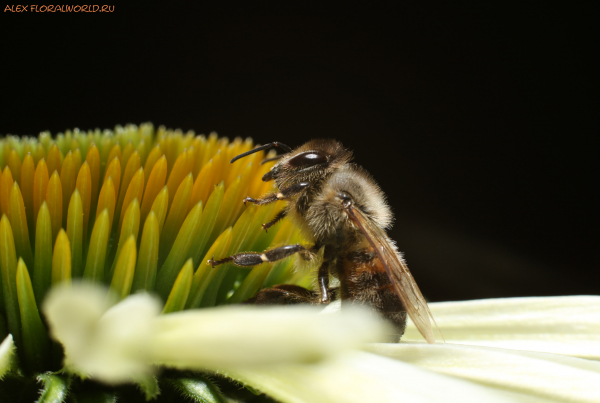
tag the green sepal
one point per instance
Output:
(36, 344)
(149, 386)
(55, 388)
(198, 388)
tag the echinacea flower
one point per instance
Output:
(140, 211)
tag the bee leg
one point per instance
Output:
(281, 215)
(323, 281)
(284, 294)
(254, 258)
(281, 195)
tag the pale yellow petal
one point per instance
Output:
(359, 377)
(547, 376)
(560, 325)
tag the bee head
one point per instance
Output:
(311, 162)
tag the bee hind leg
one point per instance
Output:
(284, 294)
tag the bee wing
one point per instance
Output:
(397, 271)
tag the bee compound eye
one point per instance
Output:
(307, 159)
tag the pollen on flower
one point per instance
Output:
(134, 208)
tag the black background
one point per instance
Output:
(477, 120)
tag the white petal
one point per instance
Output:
(108, 343)
(363, 377)
(7, 355)
(243, 336)
(549, 376)
(561, 325)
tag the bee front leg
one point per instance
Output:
(281, 195)
(246, 259)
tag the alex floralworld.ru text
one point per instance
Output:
(90, 8)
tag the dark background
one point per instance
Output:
(477, 120)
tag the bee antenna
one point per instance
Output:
(260, 148)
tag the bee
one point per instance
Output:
(344, 212)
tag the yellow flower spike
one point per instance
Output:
(6, 183)
(142, 151)
(145, 272)
(181, 289)
(27, 176)
(203, 184)
(61, 259)
(14, 163)
(257, 185)
(107, 200)
(179, 252)
(35, 336)
(177, 213)
(244, 187)
(115, 152)
(209, 218)
(197, 155)
(42, 266)
(155, 154)
(131, 226)
(8, 266)
(224, 279)
(205, 273)
(18, 221)
(154, 184)
(114, 171)
(160, 206)
(38, 153)
(75, 217)
(124, 269)
(40, 185)
(106, 145)
(231, 200)
(135, 190)
(94, 267)
(54, 159)
(93, 160)
(84, 187)
(68, 178)
(132, 166)
(127, 153)
(55, 201)
(211, 147)
(218, 160)
(180, 170)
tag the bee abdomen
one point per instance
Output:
(364, 280)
